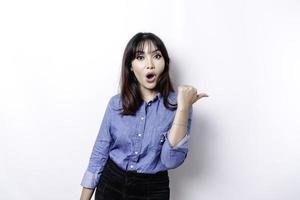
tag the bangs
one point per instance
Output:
(141, 46)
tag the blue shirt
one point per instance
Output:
(137, 143)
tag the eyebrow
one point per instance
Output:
(142, 52)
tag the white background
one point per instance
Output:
(60, 63)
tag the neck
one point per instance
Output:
(148, 95)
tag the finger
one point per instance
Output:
(199, 96)
(196, 98)
(202, 95)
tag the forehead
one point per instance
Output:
(146, 46)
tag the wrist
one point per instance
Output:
(182, 107)
(179, 124)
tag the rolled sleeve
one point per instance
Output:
(182, 144)
(90, 180)
(174, 156)
(100, 152)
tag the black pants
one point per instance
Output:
(117, 184)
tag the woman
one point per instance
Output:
(145, 129)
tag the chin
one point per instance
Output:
(150, 87)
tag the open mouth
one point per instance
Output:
(150, 77)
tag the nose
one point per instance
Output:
(150, 63)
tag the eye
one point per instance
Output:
(158, 56)
(139, 57)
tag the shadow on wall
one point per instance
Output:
(196, 166)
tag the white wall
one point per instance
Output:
(60, 63)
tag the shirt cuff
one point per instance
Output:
(173, 156)
(182, 144)
(90, 180)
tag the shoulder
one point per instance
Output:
(115, 101)
(172, 97)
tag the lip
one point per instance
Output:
(150, 73)
(152, 79)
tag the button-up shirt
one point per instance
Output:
(137, 142)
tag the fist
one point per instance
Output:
(187, 95)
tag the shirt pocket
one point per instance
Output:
(158, 137)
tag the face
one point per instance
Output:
(147, 66)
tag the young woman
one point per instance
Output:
(145, 129)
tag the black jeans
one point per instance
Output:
(117, 184)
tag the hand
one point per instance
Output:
(187, 95)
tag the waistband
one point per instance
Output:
(113, 166)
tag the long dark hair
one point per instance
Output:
(129, 85)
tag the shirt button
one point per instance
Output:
(136, 152)
(149, 103)
(142, 118)
(140, 134)
(131, 166)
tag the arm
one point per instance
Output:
(179, 126)
(175, 147)
(86, 193)
(98, 156)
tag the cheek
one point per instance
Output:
(160, 65)
(136, 68)
(138, 75)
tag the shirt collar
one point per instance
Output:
(158, 96)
